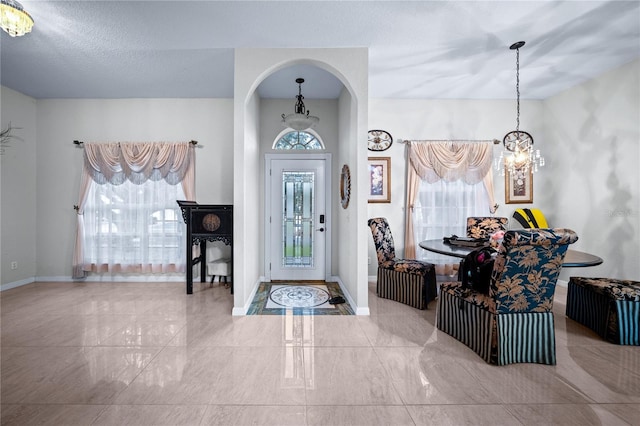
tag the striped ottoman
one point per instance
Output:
(610, 307)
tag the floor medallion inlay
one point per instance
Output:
(298, 297)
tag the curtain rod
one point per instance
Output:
(81, 143)
(495, 141)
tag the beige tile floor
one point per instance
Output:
(148, 354)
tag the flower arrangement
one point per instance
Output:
(496, 239)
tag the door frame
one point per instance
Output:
(328, 205)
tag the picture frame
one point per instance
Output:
(518, 186)
(379, 179)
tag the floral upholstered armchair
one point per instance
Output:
(483, 227)
(514, 322)
(407, 281)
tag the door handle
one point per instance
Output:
(320, 229)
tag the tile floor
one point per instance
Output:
(148, 354)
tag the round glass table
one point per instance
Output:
(573, 258)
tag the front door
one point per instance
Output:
(297, 219)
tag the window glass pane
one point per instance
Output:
(441, 210)
(297, 219)
(298, 140)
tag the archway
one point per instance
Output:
(253, 66)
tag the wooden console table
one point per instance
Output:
(205, 222)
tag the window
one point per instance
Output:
(298, 140)
(441, 209)
(134, 228)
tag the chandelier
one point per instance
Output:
(13, 18)
(300, 119)
(518, 153)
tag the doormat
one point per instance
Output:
(298, 299)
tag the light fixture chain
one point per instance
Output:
(518, 89)
(300, 119)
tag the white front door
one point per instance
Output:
(297, 219)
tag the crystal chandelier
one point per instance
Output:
(518, 153)
(13, 18)
(300, 119)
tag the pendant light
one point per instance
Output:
(14, 20)
(518, 153)
(300, 119)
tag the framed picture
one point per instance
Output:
(518, 186)
(380, 180)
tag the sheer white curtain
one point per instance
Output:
(446, 182)
(128, 218)
(441, 209)
(134, 228)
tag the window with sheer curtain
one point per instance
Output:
(447, 181)
(134, 228)
(128, 218)
(441, 209)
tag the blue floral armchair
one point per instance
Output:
(514, 322)
(407, 281)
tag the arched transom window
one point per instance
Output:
(298, 140)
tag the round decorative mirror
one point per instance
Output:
(345, 186)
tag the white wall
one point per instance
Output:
(350, 253)
(246, 198)
(18, 203)
(445, 119)
(59, 161)
(594, 135)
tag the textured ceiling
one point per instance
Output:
(417, 49)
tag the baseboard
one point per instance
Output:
(56, 279)
(352, 303)
(139, 278)
(363, 311)
(239, 312)
(18, 283)
(151, 278)
(242, 311)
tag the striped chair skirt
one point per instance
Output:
(499, 338)
(415, 290)
(610, 307)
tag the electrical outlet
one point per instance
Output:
(369, 259)
(14, 265)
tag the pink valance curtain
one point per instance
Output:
(450, 161)
(115, 162)
(138, 162)
(431, 161)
